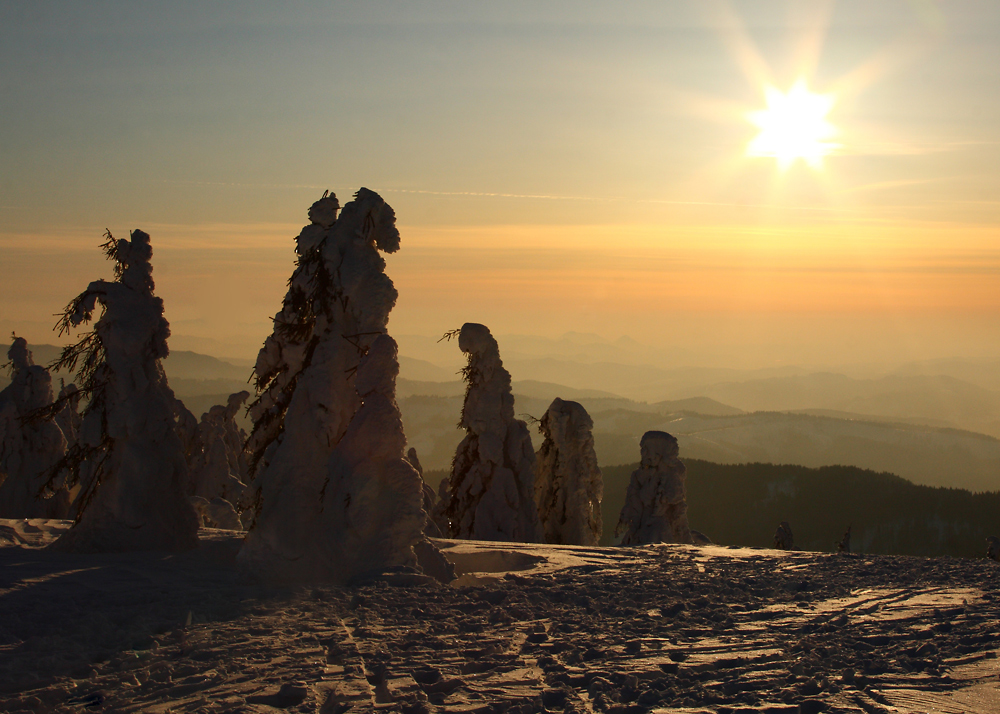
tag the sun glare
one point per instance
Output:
(794, 126)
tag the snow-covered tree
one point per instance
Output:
(430, 498)
(68, 417)
(30, 443)
(128, 458)
(568, 483)
(491, 491)
(218, 468)
(338, 302)
(373, 498)
(655, 509)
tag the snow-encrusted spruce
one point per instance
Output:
(783, 538)
(338, 302)
(68, 417)
(128, 458)
(373, 498)
(29, 447)
(431, 529)
(491, 491)
(568, 483)
(218, 469)
(655, 509)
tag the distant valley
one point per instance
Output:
(933, 429)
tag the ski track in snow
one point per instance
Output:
(527, 628)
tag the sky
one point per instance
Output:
(553, 166)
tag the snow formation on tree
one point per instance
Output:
(68, 417)
(568, 483)
(30, 443)
(430, 498)
(338, 302)
(216, 513)
(373, 499)
(491, 491)
(783, 538)
(218, 468)
(655, 509)
(128, 457)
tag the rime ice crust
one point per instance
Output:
(28, 448)
(655, 509)
(373, 499)
(134, 498)
(314, 446)
(491, 489)
(568, 483)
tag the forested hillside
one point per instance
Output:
(742, 504)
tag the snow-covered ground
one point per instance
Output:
(526, 628)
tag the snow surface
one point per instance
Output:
(491, 492)
(527, 628)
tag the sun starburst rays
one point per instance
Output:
(794, 126)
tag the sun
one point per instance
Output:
(794, 126)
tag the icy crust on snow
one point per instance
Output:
(136, 495)
(311, 388)
(568, 483)
(491, 491)
(655, 509)
(28, 448)
(373, 499)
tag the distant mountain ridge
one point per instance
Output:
(926, 449)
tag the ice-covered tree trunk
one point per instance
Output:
(655, 509)
(373, 499)
(128, 453)
(491, 491)
(338, 301)
(29, 447)
(219, 467)
(568, 483)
